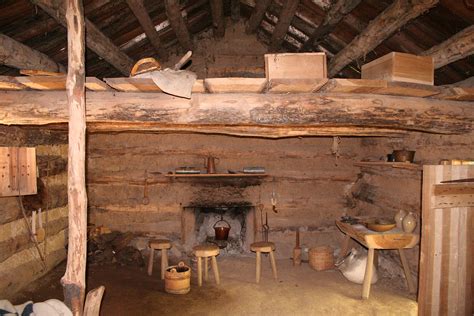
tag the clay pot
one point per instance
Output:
(399, 218)
(404, 155)
(409, 223)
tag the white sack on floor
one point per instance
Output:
(353, 267)
(50, 307)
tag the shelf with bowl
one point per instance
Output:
(399, 165)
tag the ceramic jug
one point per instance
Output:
(409, 223)
(399, 218)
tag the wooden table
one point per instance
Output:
(394, 239)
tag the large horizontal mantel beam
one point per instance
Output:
(246, 114)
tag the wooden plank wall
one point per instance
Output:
(447, 248)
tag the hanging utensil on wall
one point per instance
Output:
(266, 228)
(145, 199)
(274, 202)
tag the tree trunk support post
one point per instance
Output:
(74, 280)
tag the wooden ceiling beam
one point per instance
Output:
(250, 114)
(140, 12)
(235, 10)
(336, 13)
(284, 20)
(217, 10)
(258, 13)
(455, 48)
(95, 39)
(18, 55)
(383, 26)
(173, 12)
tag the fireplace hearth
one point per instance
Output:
(199, 220)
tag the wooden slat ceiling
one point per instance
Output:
(30, 25)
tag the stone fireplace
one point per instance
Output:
(198, 226)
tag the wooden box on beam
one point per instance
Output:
(295, 66)
(17, 171)
(401, 67)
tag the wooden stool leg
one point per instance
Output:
(164, 262)
(206, 268)
(406, 268)
(274, 266)
(150, 261)
(199, 271)
(368, 274)
(258, 267)
(344, 247)
(215, 269)
(376, 259)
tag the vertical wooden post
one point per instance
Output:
(74, 280)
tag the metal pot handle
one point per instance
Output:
(221, 220)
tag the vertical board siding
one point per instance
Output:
(446, 256)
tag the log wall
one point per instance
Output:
(310, 183)
(20, 262)
(382, 191)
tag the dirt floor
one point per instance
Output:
(299, 291)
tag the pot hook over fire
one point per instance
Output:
(222, 232)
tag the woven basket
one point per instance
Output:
(321, 258)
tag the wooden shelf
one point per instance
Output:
(399, 165)
(216, 175)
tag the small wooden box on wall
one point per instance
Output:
(295, 66)
(17, 171)
(401, 67)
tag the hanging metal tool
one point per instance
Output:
(266, 228)
(172, 81)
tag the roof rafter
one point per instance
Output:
(18, 55)
(217, 10)
(257, 15)
(385, 24)
(284, 20)
(140, 12)
(235, 10)
(336, 13)
(173, 12)
(455, 48)
(95, 39)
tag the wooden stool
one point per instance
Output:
(265, 247)
(206, 251)
(163, 245)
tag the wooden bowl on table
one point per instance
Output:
(381, 224)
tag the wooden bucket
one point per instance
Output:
(178, 279)
(321, 258)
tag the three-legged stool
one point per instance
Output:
(265, 247)
(163, 245)
(206, 251)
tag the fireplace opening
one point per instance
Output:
(238, 216)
